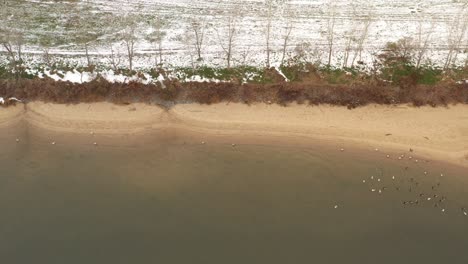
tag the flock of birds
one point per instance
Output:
(53, 142)
(417, 185)
(401, 183)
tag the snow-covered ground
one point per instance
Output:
(391, 21)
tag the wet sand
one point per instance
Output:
(433, 133)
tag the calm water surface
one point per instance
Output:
(192, 203)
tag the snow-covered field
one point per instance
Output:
(390, 21)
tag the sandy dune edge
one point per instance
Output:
(437, 133)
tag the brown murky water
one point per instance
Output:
(191, 203)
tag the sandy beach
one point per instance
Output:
(434, 133)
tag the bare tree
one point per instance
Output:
(456, 32)
(362, 37)
(12, 26)
(198, 27)
(269, 5)
(157, 35)
(227, 36)
(286, 37)
(114, 59)
(330, 30)
(83, 28)
(123, 29)
(422, 40)
(350, 37)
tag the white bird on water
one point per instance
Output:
(336, 206)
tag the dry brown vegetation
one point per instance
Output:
(281, 93)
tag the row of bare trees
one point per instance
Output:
(78, 26)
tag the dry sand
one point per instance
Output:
(435, 133)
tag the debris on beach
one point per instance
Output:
(3, 101)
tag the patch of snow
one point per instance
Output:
(282, 74)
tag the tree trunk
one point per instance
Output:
(88, 60)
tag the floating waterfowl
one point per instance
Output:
(388, 156)
(95, 143)
(53, 143)
(17, 140)
(393, 177)
(233, 144)
(203, 142)
(363, 181)
(342, 149)
(336, 206)
(443, 210)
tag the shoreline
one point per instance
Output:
(433, 133)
